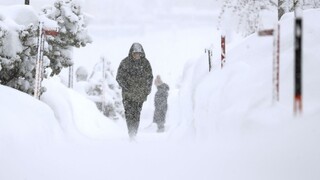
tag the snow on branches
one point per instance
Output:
(19, 34)
(72, 24)
(18, 40)
(101, 88)
(243, 15)
(246, 16)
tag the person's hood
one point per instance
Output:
(137, 47)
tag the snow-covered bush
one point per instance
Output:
(81, 74)
(105, 91)
(72, 32)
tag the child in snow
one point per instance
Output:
(160, 103)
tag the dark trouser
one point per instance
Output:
(159, 117)
(132, 113)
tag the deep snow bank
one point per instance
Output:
(25, 120)
(231, 109)
(238, 98)
(77, 114)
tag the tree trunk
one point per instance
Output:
(297, 7)
(26, 2)
(281, 9)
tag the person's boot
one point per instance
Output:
(132, 137)
(160, 129)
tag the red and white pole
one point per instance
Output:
(276, 63)
(37, 84)
(223, 50)
(276, 60)
(39, 61)
(298, 66)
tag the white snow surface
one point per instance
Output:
(220, 124)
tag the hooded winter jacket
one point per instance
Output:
(161, 96)
(135, 76)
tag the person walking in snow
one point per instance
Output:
(135, 77)
(160, 103)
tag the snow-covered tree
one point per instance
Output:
(245, 15)
(19, 36)
(72, 32)
(105, 91)
(81, 74)
(285, 6)
(19, 41)
(27, 68)
(281, 8)
(304, 4)
(18, 50)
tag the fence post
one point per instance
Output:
(276, 59)
(223, 50)
(276, 62)
(298, 65)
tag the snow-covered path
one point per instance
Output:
(213, 130)
(167, 48)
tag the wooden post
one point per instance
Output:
(298, 66)
(276, 62)
(223, 50)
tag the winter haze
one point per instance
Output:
(220, 125)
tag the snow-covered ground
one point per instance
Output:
(220, 125)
